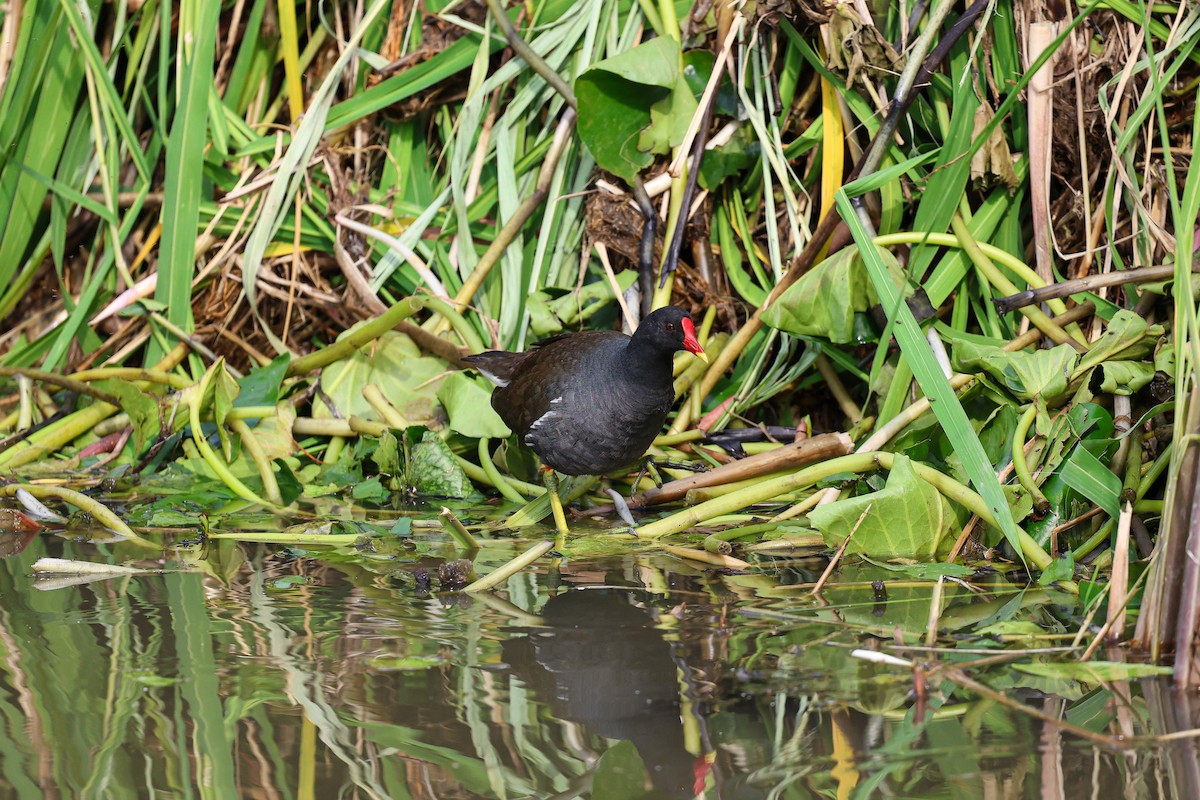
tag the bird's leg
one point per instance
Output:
(550, 478)
(645, 465)
(649, 465)
(690, 466)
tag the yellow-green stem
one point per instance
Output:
(100, 512)
(1020, 467)
(367, 332)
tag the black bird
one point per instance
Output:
(591, 402)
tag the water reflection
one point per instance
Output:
(289, 676)
(600, 661)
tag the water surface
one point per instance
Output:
(323, 673)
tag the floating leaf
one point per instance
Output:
(925, 571)
(370, 490)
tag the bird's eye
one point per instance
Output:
(670, 326)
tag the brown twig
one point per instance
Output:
(791, 455)
(1067, 288)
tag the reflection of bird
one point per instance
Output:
(599, 662)
(591, 402)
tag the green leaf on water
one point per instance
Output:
(923, 571)
(908, 518)
(156, 681)
(370, 490)
(405, 662)
(620, 773)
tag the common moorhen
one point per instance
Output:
(591, 402)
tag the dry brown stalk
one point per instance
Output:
(791, 455)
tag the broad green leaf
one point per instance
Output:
(370, 490)
(669, 119)
(386, 456)
(261, 386)
(611, 120)
(432, 469)
(549, 314)
(615, 97)
(908, 518)
(1127, 337)
(620, 773)
(738, 155)
(1011, 628)
(1027, 374)
(407, 379)
(1125, 377)
(274, 433)
(468, 405)
(655, 63)
(290, 487)
(1084, 473)
(824, 301)
(142, 409)
(1061, 569)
